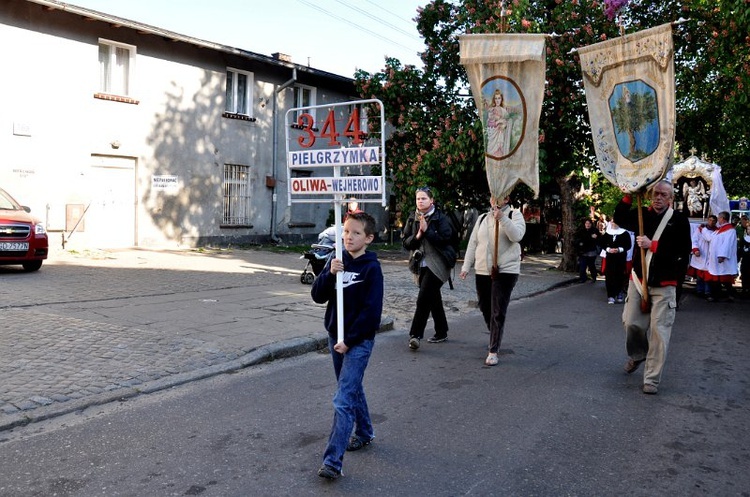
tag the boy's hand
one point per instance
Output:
(341, 348)
(336, 265)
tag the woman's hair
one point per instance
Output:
(425, 189)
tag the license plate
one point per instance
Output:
(14, 246)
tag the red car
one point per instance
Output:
(23, 238)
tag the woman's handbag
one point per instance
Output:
(414, 261)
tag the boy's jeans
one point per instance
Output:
(349, 404)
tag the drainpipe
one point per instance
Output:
(274, 199)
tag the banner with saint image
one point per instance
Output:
(630, 93)
(507, 77)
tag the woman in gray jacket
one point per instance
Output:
(496, 271)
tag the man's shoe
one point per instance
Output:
(329, 472)
(414, 343)
(650, 389)
(356, 443)
(491, 360)
(437, 339)
(631, 366)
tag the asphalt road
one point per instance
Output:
(557, 417)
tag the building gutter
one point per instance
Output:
(274, 199)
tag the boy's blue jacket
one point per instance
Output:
(363, 297)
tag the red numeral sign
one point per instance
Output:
(352, 130)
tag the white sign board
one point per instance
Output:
(331, 150)
(351, 185)
(165, 183)
(336, 157)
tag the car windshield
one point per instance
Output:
(7, 203)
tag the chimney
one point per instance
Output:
(282, 57)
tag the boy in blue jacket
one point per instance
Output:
(363, 305)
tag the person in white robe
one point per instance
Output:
(721, 262)
(699, 257)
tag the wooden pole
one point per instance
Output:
(494, 270)
(645, 306)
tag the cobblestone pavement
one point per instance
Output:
(94, 327)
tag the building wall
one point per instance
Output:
(66, 151)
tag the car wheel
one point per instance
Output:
(32, 266)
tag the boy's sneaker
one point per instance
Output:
(610, 300)
(437, 339)
(356, 443)
(413, 343)
(329, 472)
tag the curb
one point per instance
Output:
(267, 353)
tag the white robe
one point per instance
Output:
(721, 243)
(699, 261)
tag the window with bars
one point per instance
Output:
(236, 195)
(116, 64)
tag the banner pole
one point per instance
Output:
(494, 270)
(644, 267)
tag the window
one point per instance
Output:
(236, 195)
(304, 96)
(239, 92)
(116, 65)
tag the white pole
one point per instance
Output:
(339, 255)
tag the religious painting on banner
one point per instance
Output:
(630, 93)
(507, 76)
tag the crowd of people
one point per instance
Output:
(719, 256)
(646, 255)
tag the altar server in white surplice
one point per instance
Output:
(721, 263)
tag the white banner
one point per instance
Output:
(630, 94)
(507, 76)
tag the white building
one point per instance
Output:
(162, 140)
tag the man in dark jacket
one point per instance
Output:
(666, 242)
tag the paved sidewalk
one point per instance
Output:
(94, 327)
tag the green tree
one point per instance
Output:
(437, 135)
(712, 72)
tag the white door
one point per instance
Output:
(111, 219)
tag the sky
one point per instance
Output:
(338, 36)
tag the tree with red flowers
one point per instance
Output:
(436, 132)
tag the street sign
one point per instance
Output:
(331, 151)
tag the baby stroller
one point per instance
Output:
(318, 255)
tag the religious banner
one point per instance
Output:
(630, 93)
(507, 77)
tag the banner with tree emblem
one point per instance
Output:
(507, 76)
(630, 94)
